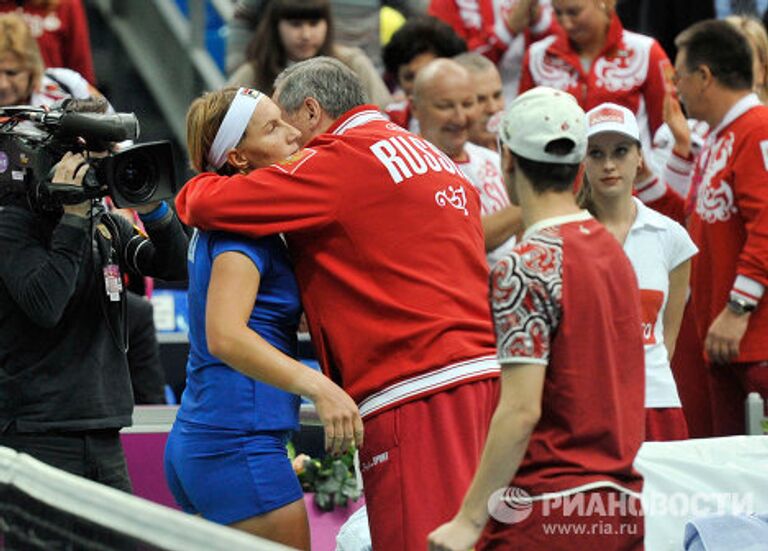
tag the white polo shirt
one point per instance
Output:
(483, 169)
(656, 245)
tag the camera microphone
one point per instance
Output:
(116, 127)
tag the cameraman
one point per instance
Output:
(65, 389)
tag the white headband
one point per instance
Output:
(233, 126)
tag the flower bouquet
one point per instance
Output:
(331, 479)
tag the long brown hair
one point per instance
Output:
(584, 195)
(266, 52)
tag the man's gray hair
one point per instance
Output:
(334, 85)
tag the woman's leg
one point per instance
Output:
(287, 525)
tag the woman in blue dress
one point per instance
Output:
(226, 458)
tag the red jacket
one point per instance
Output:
(389, 254)
(62, 34)
(729, 223)
(659, 191)
(632, 70)
(482, 24)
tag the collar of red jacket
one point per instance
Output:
(349, 114)
(562, 48)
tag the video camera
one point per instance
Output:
(33, 140)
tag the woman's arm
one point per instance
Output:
(231, 295)
(673, 314)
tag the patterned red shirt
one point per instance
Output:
(483, 24)
(567, 299)
(632, 70)
(729, 223)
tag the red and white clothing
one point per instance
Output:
(632, 70)
(567, 299)
(729, 223)
(61, 34)
(58, 84)
(667, 193)
(483, 169)
(655, 246)
(679, 170)
(401, 114)
(553, 526)
(483, 24)
(397, 303)
(397, 477)
(389, 255)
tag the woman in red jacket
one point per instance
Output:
(597, 60)
(61, 30)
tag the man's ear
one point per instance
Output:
(313, 113)
(707, 77)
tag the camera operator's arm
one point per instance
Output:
(163, 252)
(41, 259)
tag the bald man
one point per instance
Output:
(486, 82)
(445, 104)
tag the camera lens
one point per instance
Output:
(135, 177)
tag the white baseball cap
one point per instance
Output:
(539, 117)
(610, 117)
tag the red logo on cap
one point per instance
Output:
(607, 114)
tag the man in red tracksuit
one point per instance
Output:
(729, 218)
(501, 30)
(388, 249)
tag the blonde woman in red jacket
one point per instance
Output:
(597, 60)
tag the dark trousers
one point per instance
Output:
(96, 455)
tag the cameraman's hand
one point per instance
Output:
(70, 171)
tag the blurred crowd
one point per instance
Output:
(675, 170)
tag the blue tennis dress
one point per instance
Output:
(225, 458)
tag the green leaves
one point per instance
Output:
(332, 480)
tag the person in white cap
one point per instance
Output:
(660, 251)
(225, 458)
(567, 312)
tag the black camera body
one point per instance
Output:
(33, 140)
